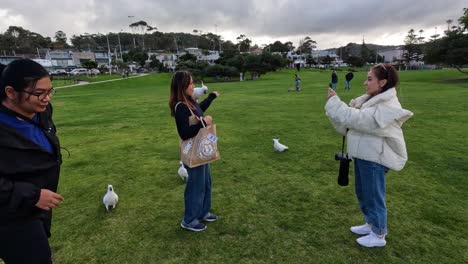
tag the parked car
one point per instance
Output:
(141, 70)
(79, 71)
(94, 72)
(59, 72)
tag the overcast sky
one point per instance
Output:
(331, 23)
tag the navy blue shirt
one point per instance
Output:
(28, 130)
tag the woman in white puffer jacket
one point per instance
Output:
(372, 124)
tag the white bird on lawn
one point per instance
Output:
(199, 91)
(278, 146)
(182, 171)
(111, 198)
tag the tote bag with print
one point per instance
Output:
(202, 148)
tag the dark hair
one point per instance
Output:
(180, 82)
(386, 72)
(21, 74)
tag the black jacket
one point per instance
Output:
(334, 78)
(25, 168)
(349, 76)
(182, 114)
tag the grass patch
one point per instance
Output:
(272, 207)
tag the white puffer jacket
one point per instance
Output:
(374, 127)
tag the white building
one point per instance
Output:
(60, 58)
(169, 60)
(392, 55)
(297, 58)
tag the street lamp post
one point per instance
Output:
(109, 54)
(120, 46)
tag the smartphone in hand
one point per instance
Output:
(329, 85)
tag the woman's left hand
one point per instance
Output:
(216, 93)
(331, 93)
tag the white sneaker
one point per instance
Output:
(372, 240)
(362, 229)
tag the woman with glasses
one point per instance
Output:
(372, 124)
(188, 117)
(29, 164)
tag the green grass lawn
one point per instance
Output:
(272, 207)
(70, 80)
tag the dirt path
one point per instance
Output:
(81, 83)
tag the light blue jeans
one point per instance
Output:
(334, 86)
(370, 192)
(197, 195)
(347, 85)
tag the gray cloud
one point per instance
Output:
(330, 22)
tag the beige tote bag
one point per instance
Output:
(202, 148)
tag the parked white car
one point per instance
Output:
(79, 71)
(59, 72)
(94, 72)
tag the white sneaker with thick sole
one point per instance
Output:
(362, 229)
(372, 240)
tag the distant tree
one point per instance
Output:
(89, 64)
(413, 50)
(154, 62)
(310, 60)
(306, 45)
(452, 49)
(290, 46)
(356, 61)
(327, 59)
(274, 61)
(365, 53)
(463, 20)
(227, 55)
(229, 46)
(243, 43)
(277, 46)
(238, 62)
(255, 66)
(188, 57)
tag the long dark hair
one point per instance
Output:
(21, 74)
(180, 82)
(386, 72)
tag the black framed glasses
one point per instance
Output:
(42, 96)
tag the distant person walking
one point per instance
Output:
(349, 76)
(298, 82)
(334, 80)
(372, 124)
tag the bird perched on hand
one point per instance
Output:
(182, 171)
(199, 91)
(111, 198)
(278, 146)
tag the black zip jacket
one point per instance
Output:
(25, 169)
(349, 76)
(182, 114)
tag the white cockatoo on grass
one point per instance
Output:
(182, 171)
(111, 198)
(199, 91)
(278, 146)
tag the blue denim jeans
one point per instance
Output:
(197, 196)
(370, 192)
(347, 85)
(333, 86)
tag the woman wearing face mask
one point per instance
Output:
(372, 124)
(188, 116)
(29, 164)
